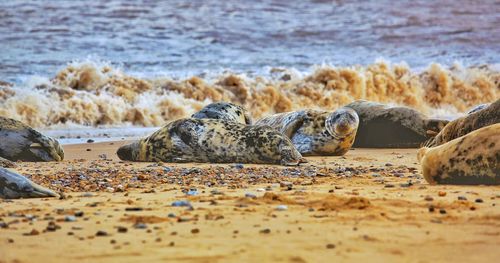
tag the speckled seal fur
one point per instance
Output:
(317, 132)
(14, 186)
(468, 160)
(224, 111)
(382, 126)
(19, 142)
(480, 118)
(214, 141)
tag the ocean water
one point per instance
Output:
(76, 64)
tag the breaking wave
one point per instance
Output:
(96, 94)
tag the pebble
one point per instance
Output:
(260, 190)
(181, 203)
(462, 198)
(79, 213)
(171, 215)
(52, 226)
(330, 246)
(140, 226)
(265, 231)
(479, 200)
(442, 211)
(428, 198)
(431, 208)
(389, 186)
(90, 141)
(442, 193)
(281, 208)
(238, 166)
(122, 229)
(192, 192)
(250, 195)
(70, 218)
(134, 209)
(101, 233)
(195, 231)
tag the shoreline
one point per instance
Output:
(370, 203)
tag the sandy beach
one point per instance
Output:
(369, 205)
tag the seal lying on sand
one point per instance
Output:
(381, 126)
(317, 132)
(487, 116)
(19, 142)
(224, 111)
(215, 141)
(13, 186)
(471, 159)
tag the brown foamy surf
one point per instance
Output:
(91, 94)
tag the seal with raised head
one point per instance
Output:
(19, 142)
(214, 141)
(483, 117)
(382, 126)
(224, 111)
(472, 159)
(316, 132)
(14, 186)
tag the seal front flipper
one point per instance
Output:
(292, 123)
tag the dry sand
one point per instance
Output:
(370, 205)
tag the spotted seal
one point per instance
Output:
(316, 132)
(483, 117)
(471, 159)
(214, 141)
(224, 111)
(19, 142)
(14, 186)
(382, 126)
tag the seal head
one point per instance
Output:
(14, 186)
(342, 122)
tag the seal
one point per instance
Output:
(14, 186)
(483, 117)
(224, 111)
(468, 160)
(214, 141)
(317, 132)
(19, 142)
(382, 126)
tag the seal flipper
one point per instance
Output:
(292, 124)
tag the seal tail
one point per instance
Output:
(40, 192)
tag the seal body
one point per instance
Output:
(224, 111)
(382, 126)
(487, 115)
(214, 141)
(317, 132)
(14, 186)
(471, 159)
(19, 142)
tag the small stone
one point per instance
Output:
(70, 218)
(33, 232)
(172, 244)
(181, 203)
(89, 150)
(192, 192)
(330, 246)
(265, 231)
(171, 215)
(442, 193)
(90, 141)
(431, 208)
(79, 214)
(238, 166)
(442, 211)
(140, 226)
(462, 198)
(250, 195)
(479, 200)
(195, 231)
(388, 164)
(260, 190)
(389, 186)
(428, 198)
(130, 209)
(101, 233)
(281, 208)
(122, 229)
(375, 175)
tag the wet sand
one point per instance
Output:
(370, 205)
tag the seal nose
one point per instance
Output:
(124, 153)
(343, 127)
